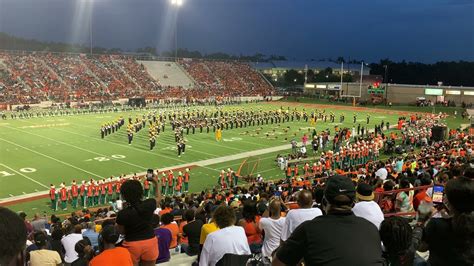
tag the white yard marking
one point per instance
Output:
(46, 125)
(52, 158)
(27, 177)
(77, 147)
(118, 144)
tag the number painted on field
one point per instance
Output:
(101, 159)
(105, 158)
(5, 173)
(28, 170)
(232, 139)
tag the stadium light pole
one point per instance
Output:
(177, 4)
(361, 75)
(342, 72)
(386, 84)
(90, 27)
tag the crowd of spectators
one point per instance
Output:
(227, 78)
(29, 78)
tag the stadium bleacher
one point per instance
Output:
(28, 78)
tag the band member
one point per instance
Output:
(53, 195)
(186, 180)
(163, 183)
(74, 192)
(63, 196)
(170, 182)
(218, 134)
(82, 193)
(90, 194)
(179, 183)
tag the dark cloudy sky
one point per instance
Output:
(415, 30)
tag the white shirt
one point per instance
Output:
(370, 211)
(272, 230)
(382, 173)
(296, 217)
(69, 242)
(231, 240)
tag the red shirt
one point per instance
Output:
(110, 188)
(52, 193)
(90, 190)
(186, 177)
(63, 194)
(74, 191)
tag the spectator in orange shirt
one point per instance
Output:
(167, 220)
(111, 255)
(422, 195)
(166, 209)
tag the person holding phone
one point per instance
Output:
(450, 240)
(135, 222)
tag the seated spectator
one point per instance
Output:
(271, 224)
(192, 230)
(400, 241)
(134, 222)
(109, 254)
(404, 200)
(451, 240)
(92, 235)
(29, 227)
(366, 207)
(207, 229)
(167, 220)
(164, 240)
(229, 239)
(43, 256)
(69, 242)
(56, 236)
(338, 238)
(39, 222)
(85, 252)
(12, 238)
(422, 194)
(305, 212)
(250, 222)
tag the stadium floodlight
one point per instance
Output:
(177, 2)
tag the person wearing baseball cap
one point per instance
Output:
(338, 238)
(366, 207)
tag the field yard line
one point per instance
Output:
(214, 144)
(79, 148)
(52, 158)
(29, 178)
(123, 145)
(202, 163)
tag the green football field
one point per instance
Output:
(37, 152)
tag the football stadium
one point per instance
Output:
(170, 156)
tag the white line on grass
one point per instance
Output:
(118, 144)
(52, 158)
(29, 178)
(58, 142)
